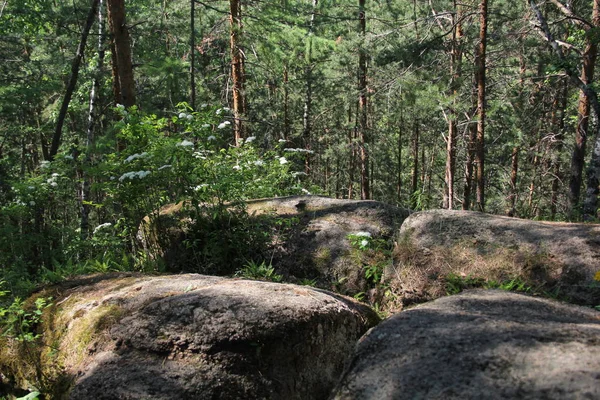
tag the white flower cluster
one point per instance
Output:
(102, 226)
(363, 234)
(185, 143)
(299, 151)
(223, 125)
(135, 157)
(211, 138)
(205, 126)
(134, 174)
(44, 164)
(220, 110)
(282, 160)
(305, 191)
(259, 163)
(121, 109)
(164, 167)
(250, 139)
(297, 174)
(282, 141)
(52, 181)
(200, 187)
(183, 115)
(68, 157)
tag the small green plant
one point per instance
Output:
(359, 296)
(457, 283)
(262, 271)
(18, 323)
(374, 272)
(360, 240)
(308, 282)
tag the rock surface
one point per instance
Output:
(199, 337)
(480, 344)
(309, 238)
(562, 258)
(318, 246)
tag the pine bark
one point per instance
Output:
(480, 61)
(365, 188)
(455, 72)
(121, 44)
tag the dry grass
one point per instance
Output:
(422, 274)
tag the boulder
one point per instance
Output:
(484, 344)
(317, 245)
(560, 259)
(306, 239)
(192, 337)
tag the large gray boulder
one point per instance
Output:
(192, 337)
(482, 344)
(559, 258)
(317, 246)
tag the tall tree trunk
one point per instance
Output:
(286, 106)
(122, 51)
(237, 71)
(399, 162)
(351, 162)
(192, 53)
(587, 75)
(308, 76)
(471, 138)
(415, 169)
(455, 72)
(73, 80)
(92, 120)
(559, 125)
(365, 190)
(480, 61)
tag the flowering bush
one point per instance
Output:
(187, 157)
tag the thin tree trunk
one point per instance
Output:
(470, 156)
(351, 162)
(399, 164)
(308, 75)
(192, 54)
(514, 170)
(122, 51)
(365, 190)
(415, 169)
(237, 71)
(559, 124)
(480, 61)
(73, 80)
(92, 119)
(286, 100)
(455, 71)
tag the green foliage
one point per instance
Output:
(17, 321)
(457, 283)
(30, 396)
(260, 271)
